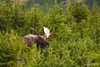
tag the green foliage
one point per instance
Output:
(73, 45)
(11, 16)
(9, 48)
(80, 12)
(13, 51)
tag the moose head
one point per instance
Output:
(37, 39)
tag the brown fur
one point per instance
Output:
(29, 39)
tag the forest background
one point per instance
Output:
(76, 25)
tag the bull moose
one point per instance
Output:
(37, 39)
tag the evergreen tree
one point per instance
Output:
(80, 12)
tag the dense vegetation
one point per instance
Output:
(76, 41)
(51, 2)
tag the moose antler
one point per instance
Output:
(51, 32)
(47, 32)
(36, 32)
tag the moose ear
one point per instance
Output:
(46, 31)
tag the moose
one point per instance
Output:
(39, 40)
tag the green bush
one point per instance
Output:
(12, 48)
(73, 45)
